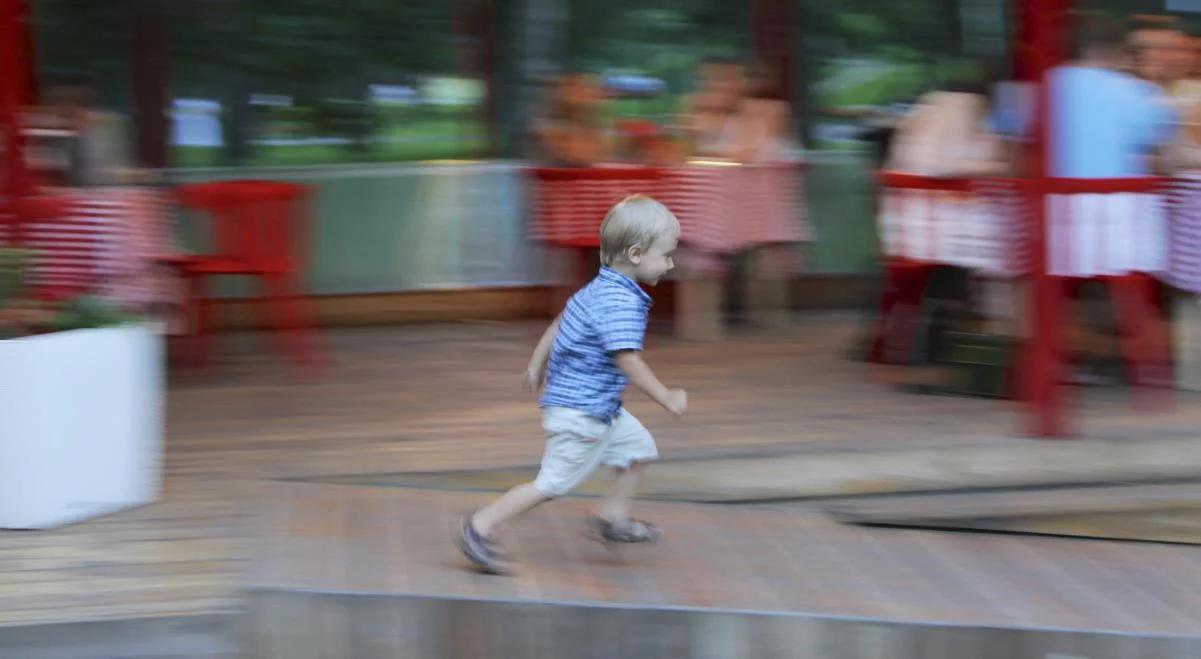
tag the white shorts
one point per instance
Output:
(577, 443)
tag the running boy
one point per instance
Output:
(586, 358)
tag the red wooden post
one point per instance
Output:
(10, 86)
(1046, 22)
(150, 82)
(15, 89)
(26, 78)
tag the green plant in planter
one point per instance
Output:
(16, 313)
(87, 312)
(21, 315)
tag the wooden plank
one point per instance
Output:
(1108, 499)
(480, 304)
(994, 582)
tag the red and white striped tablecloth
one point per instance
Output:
(106, 239)
(1088, 235)
(981, 229)
(722, 208)
(1184, 233)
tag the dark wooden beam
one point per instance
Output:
(150, 82)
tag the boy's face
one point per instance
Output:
(655, 261)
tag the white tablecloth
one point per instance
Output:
(1088, 235)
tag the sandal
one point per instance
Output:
(478, 549)
(632, 531)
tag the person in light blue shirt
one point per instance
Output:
(1104, 123)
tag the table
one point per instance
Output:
(723, 209)
(1119, 231)
(111, 237)
(1095, 228)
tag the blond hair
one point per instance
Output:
(636, 220)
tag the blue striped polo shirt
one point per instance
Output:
(606, 316)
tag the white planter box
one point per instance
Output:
(81, 424)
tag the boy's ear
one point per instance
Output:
(634, 254)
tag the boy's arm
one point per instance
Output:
(641, 376)
(535, 372)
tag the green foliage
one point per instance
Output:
(21, 316)
(663, 38)
(12, 265)
(87, 312)
(323, 54)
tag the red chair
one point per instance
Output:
(258, 230)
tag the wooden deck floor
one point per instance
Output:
(387, 541)
(422, 399)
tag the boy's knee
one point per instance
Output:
(632, 465)
(552, 490)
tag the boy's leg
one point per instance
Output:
(615, 508)
(574, 446)
(511, 504)
(474, 536)
(630, 449)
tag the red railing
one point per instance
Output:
(1119, 231)
(931, 219)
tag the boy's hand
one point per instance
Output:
(534, 379)
(677, 402)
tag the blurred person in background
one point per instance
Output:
(1118, 142)
(756, 131)
(760, 122)
(1154, 43)
(572, 132)
(1121, 141)
(1163, 54)
(947, 133)
(1182, 64)
(1184, 93)
(710, 115)
(74, 143)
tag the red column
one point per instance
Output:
(1044, 46)
(15, 90)
(150, 82)
(26, 74)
